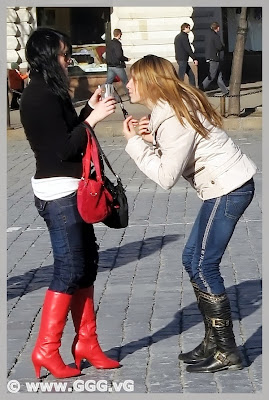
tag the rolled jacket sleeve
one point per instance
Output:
(85, 112)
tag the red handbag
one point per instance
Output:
(94, 201)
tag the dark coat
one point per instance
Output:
(114, 54)
(183, 48)
(53, 129)
(213, 46)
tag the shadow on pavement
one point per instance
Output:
(114, 257)
(248, 291)
(248, 111)
(248, 298)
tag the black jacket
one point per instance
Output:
(53, 130)
(114, 54)
(183, 48)
(213, 46)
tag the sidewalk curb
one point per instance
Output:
(242, 123)
(114, 128)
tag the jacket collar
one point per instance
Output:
(161, 112)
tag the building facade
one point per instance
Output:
(20, 23)
(146, 30)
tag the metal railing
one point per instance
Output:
(223, 97)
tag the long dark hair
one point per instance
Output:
(42, 50)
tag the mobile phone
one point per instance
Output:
(124, 111)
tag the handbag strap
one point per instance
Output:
(101, 152)
(86, 161)
(91, 154)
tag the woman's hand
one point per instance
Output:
(129, 127)
(143, 126)
(95, 98)
(102, 109)
(143, 129)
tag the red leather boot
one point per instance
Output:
(46, 352)
(86, 344)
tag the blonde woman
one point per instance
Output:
(188, 140)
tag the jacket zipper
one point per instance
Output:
(195, 172)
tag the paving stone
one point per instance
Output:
(146, 308)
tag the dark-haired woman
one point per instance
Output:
(58, 140)
(188, 140)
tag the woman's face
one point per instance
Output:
(133, 91)
(64, 58)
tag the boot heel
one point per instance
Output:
(78, 360)
(37, 368)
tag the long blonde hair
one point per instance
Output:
(156, 79)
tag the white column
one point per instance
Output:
(150, 30)
(20, 23)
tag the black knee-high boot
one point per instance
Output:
(226, 356)
(208, 344)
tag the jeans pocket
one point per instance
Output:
(40, 204)
(237, 203)
(67, 201)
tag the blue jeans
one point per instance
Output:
(210, 235)
(121, 73)
(183, 69)
(74, 246)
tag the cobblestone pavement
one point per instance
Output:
(146, 309)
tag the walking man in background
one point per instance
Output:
(116, 60)
(212, 55)
(183, 51)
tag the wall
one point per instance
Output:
(150, 30)
(20, 22)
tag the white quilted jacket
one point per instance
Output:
(214, 166)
